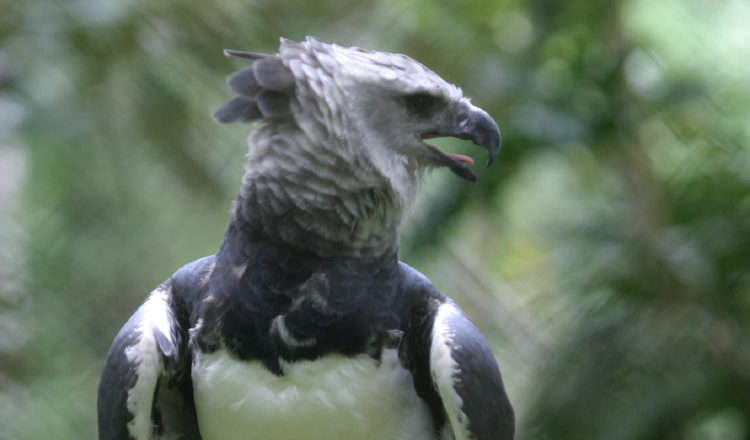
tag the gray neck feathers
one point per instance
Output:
(316, 196)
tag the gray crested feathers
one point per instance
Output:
(341, 152)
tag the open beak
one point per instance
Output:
(473, 124)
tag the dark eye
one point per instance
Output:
(420, 104)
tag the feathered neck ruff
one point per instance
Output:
(303, 195)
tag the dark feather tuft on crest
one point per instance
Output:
(263, 90)
(247, 55)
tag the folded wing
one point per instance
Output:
(145, 390)
(452, 364)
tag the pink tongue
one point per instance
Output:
(461, 158)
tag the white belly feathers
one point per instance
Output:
(334, 397)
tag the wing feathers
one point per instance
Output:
(166, 346)
(444, 368)
(467, 378)
(146, 358)
(118, 377)
(140, 382)
(452, 364)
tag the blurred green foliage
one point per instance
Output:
(606, 256)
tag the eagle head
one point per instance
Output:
(342, 120)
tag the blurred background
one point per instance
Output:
(606, 256)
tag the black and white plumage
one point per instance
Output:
(305, 325)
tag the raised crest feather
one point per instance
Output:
(243, 82)
(247, 55)
(240, 109)
(271, 74)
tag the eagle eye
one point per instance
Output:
(420, 104)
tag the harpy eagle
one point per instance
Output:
(304, 325)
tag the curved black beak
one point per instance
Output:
(481, 129)
(470, 123)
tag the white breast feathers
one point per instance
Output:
(334, 397)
